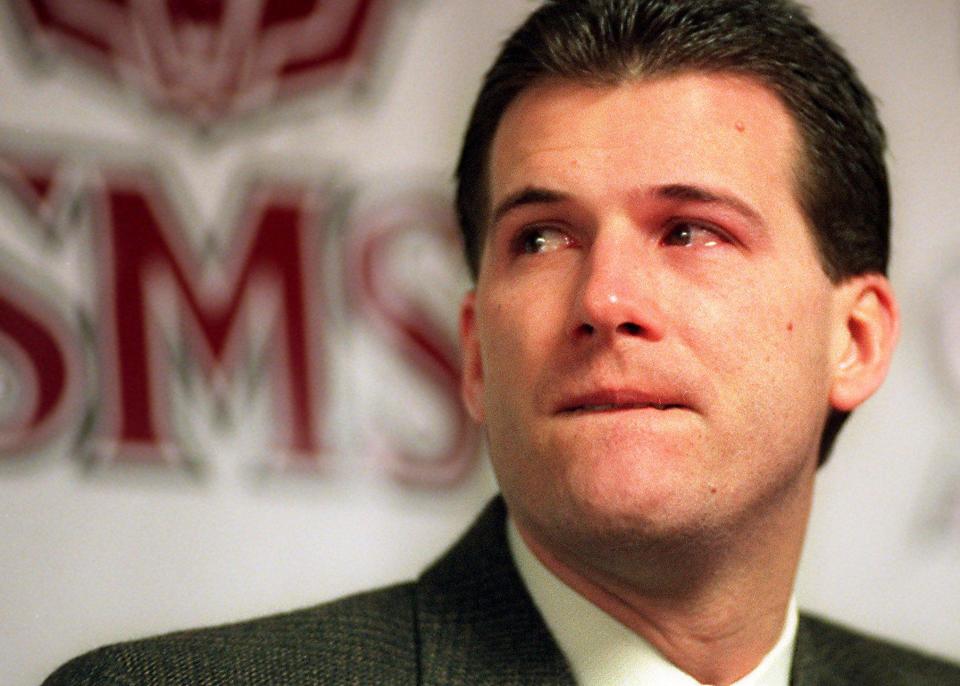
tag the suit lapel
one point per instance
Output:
(476, 622)
(477, 625)
(814, 662)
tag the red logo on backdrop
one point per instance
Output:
(212, 58)
(166, 320)
(181, 322)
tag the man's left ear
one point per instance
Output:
(865, 336)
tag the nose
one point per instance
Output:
(618, 293)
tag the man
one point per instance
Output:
(677, 216)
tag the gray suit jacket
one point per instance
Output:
(466, 620)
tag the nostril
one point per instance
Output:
(630, 328)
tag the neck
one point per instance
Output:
(718, 613)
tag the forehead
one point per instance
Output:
(714, 130)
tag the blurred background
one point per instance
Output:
(229, 279)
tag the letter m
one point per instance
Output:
(261, 289)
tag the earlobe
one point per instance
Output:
(866, 337)
(471, 381)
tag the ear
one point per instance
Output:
(471, 381)
(865, 336)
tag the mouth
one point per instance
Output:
(616, 401)
(616, 407)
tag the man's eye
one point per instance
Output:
(690, 234)
(540, 240)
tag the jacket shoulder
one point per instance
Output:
(361, 639)
(828, 653)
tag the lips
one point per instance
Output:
(626, 406)
(616, 400)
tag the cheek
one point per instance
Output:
(762, 339)
(514, 326)
(504, 338)
(785, 358)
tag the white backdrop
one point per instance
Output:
(93, 556)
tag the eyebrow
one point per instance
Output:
(534, 195)
(699, 194)
(531, 195)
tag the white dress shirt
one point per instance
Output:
(603, 652)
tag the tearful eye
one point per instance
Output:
(540, 240)
(690, 234)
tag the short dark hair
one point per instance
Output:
(841, 179)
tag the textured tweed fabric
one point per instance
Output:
(467, 620)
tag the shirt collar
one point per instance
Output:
(603, 652)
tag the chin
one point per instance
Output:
(622, 515)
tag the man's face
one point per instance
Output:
(652, 338)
